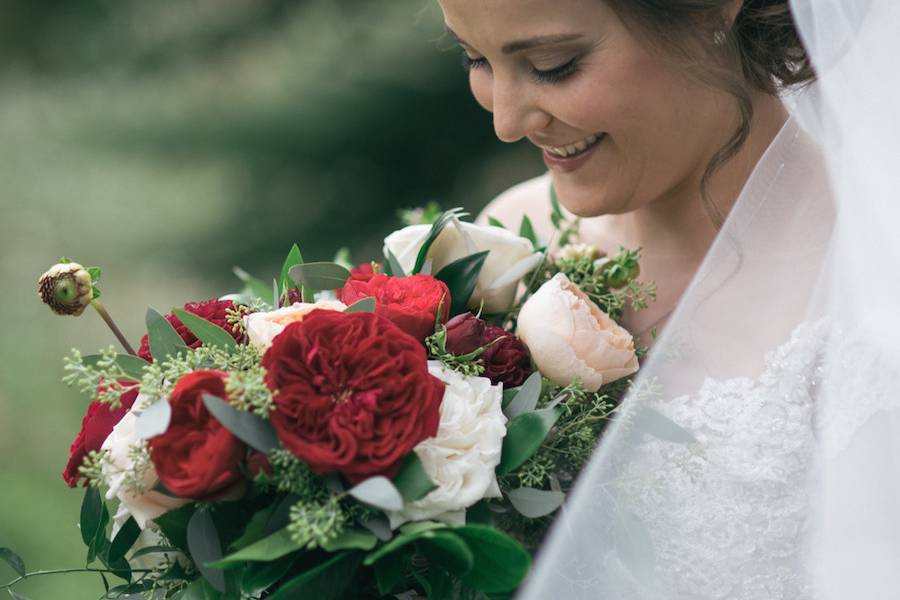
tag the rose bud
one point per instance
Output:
(66, 288)
(464, 334)
(571, 338)
(507, 359)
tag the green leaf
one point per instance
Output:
(554, 203)
(174, 524)
(389, 573)
(320, 275)
(269, 548)
(364, 305)
(526, 397)
(660, 426)
(436, 228)
(208, 333)
(251, 429)
(95, 273)
(379, 525)
(256, 287)
(526, 230)
(449, 551)
(496, 222)
(328, 581)
(199, 590)
(479, 514)
(259, 577)
(164, 340)
(524, 436)
(419, 530)
(132, 366)
(411, 480)
(379, 492)
(124, 540)
(533, 503)
(205, 547)
(17, 596)
(155, 419)
(500, 563)
(13, 560)
(293, 259)
(91, 509)
(351, 539)
(461, 276)
(155, 550)
(393, 267)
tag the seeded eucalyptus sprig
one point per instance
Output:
(68, 288)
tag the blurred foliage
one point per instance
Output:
(167, 141)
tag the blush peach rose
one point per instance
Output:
(262, 327)
(571, 338)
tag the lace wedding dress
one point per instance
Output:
(758, 455)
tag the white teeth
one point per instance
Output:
(576, 148)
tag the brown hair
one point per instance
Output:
(761, 50)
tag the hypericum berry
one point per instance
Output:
(66, 288)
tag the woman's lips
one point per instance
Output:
(568, 164)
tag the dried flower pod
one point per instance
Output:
(66, 288)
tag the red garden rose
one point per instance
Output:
(197, 457)
(410, 302)
(96, 426)
(354, 393)
(506, 361)
(211, 310)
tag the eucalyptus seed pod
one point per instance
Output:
(66, 288)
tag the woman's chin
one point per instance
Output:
(587, 202)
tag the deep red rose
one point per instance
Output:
(365, 268)
(211, 310)
(96, 426)
(410, 302)
(354, 393)
(506, 361)
(197, 457)
(258, 463)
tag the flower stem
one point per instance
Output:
(62, 571)
(112, 325)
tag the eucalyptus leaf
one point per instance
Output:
(436, 228)
(500, 563)
(393, 266)
(662, 427)
(524, 435)
(399, 542)
(16, 595)
(256, 287)
(351, 539)
(124, 540)
(364, 305)
(496, 222)
(526, 230)
(327, 581)
(293, 259)
(269, 548)
(251, 429)
(199, 589)
(461, 277)
(208, 333)
(526, 398)
(154, 420)
(449, 551)
(389, 573)
(411, 480)
(320, 275)
(13, 560)
(378, 525)
(132, 366)
(379, 492)
(258, 577)
(205, 547)
(533, 503)
(164, 340)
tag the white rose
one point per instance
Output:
(570, 337)
(462, 457)
(262, 327)
(511, 257)
(123, 446)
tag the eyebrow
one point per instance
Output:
(519, 45)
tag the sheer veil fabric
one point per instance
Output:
(758, 454)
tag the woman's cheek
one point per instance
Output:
(480, 83)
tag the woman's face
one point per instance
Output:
(618, 125)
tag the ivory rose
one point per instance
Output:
(462, 457)
(511, 257)
(570, 337)
(119, 470)
(262, 327)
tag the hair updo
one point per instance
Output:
(760, 50)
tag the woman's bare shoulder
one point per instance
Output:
(531, 197)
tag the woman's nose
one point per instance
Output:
(516, 112)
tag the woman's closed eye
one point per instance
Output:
(554, 75)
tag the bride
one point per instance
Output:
(757, 454)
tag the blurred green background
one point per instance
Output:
(168, 141)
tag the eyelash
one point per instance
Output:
(554, 75)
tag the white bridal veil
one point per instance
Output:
(758, 456)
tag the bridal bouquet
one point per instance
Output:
(397, 429)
